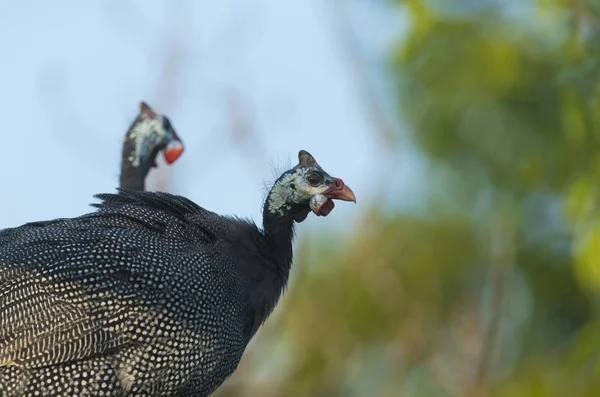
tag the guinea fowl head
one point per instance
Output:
(304, 188)
(149, 134)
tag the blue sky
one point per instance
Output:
(72, 73)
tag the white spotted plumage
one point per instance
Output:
(92, 306)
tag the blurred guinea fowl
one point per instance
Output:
(151, 295)
(149, 134)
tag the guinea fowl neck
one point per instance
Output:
(279, 215)
(266, 259)
(133, 176)
(278, 231)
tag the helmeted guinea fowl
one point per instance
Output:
(151, 295)
(149, 134)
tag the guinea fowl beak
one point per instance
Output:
(322, 204)
(173, 150)
(339, 191)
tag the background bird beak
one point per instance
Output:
(339, 191)
(173, 150)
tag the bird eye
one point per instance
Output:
(315, 178)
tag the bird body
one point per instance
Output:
(96, 294)
(151, 295)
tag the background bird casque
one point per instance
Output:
(467, 129)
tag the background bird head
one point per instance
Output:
(149, 134)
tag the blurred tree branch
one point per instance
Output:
(167, 90)
(351, 49)
(502, 256)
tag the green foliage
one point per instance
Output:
(494, 289)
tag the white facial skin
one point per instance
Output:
(294, 188)
(145, 136)
(317, 201)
